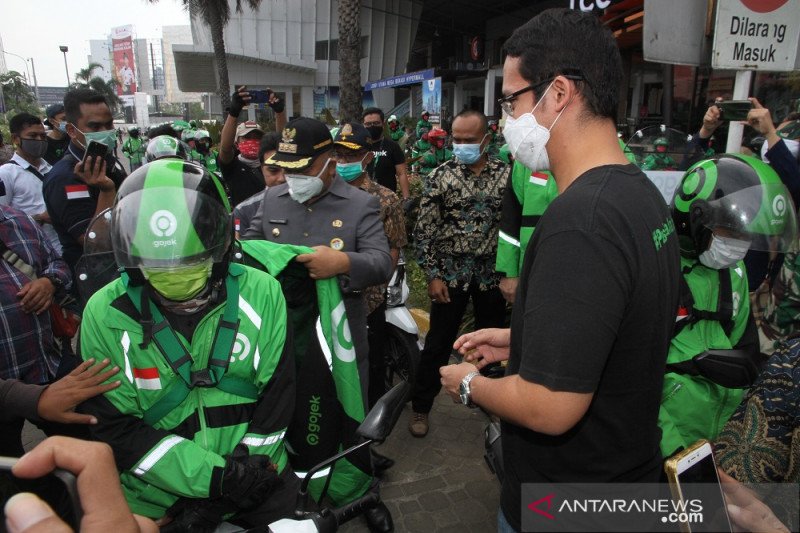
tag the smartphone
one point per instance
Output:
(58, 488)
(258, 96)
(694, 481)
(734, 109)
(94, 149)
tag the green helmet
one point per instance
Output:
(201, 134)
(166, 146)
(737, 195)
(661, 141)
(171, 214)
(187, 135)
(180, 125)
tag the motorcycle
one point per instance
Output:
(402, 346)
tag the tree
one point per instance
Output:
(17, 94)
(85, 79)
(350, 60)
(216, 14)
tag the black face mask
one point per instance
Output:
(375, 132)
(33, 147)
(135, 135)
(202, 147)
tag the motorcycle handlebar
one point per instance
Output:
(353, 509)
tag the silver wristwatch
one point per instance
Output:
(464, 390)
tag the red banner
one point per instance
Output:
(124, 65)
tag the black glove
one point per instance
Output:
(278, 105)
(196, 515)
(237, 104)
(248, 480)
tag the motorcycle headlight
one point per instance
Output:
(394, 296)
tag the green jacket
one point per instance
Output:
(183, 454)
(209, 160)
(329, 400)
(134, 149)
(693, 407)
(527, 196)
(432, 159)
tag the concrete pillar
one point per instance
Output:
(491, 97)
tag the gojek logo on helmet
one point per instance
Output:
(778, 207)
(163, 224)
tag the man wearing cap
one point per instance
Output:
(317, 208)
(238, 147)
(57, 138)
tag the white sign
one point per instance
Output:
(756, 34)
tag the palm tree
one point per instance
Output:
(350, 60)
(85, 79)
(216, 14)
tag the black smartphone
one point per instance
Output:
(94, 149)
(258, 96)
(58, 488)
(734, 109)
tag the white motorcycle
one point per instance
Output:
(402, 345)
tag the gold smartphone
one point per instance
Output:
(695, 486)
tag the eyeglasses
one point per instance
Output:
(507, 102)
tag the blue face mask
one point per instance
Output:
(468, 153)
(62, 127)
(350, 171)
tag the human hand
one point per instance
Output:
(94, 173)
(36, 295)
(508, 288)
(485, 346)
(58, 401)
(711, 121)
(452, 376)
(746, 510)
(248, 480)
(275, 102)
(325, 262)
(104, 506)
(760, 119)
(239, 100)
(437, 291)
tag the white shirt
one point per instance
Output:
(23, 191)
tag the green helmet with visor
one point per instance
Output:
(735, 196)
(171, 225)
(166, 146)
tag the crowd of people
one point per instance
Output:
(247, 294)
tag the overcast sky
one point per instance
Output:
(36, 28)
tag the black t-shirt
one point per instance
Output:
(388, 154)
(243, 181)
(594, 314)
(55, 149)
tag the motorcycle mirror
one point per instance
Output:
(384, 414)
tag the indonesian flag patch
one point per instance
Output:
(147, 378)
(682, 314)
(76, 191)
(538, 178)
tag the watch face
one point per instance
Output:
(464, 398)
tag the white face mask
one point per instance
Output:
(724, 252)
(527, 139)
(791, 144)
(303, 188)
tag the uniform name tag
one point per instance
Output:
(278, 221)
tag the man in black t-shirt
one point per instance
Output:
(388, 167)
(57, 138)
(598, 291)
(239, 145)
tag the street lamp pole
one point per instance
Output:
(35, 81)
(27, 72)
(64, 50)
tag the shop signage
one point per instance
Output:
(751, 35)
